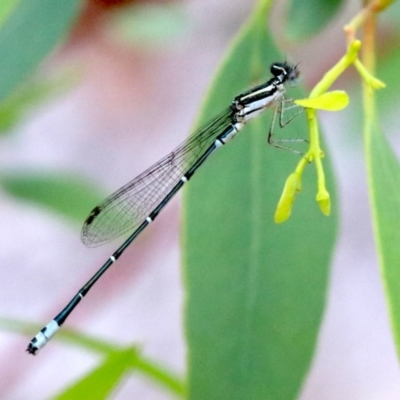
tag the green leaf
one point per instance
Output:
(105, 379)
(384, 183)
(30, 31)
(388, 71)
(308, 17)
(255, 290)
(6, 7)
(100, 383)
(152, 26)
(62, 193)
(147, 368)
(30, 94)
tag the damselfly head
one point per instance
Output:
(288, 73)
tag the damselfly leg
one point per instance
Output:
(287, 111)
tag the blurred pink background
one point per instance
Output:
(132, 105)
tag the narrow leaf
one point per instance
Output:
(29, 32)
(384, 179)
(255, 290)
(62, 193)
(6, 7)
(308, 17)
(100, 383)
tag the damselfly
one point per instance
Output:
(138, 203)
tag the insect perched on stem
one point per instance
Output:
(138, 203)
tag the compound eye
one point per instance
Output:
(293, 76)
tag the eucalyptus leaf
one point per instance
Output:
(30, 31)
(29, 95)
(63, 193)
(6, 7)
(256, 291)
(307, 17)
(384, 184)
(102, 381)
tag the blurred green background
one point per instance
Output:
(221, 302)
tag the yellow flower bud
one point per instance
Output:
(284, 208)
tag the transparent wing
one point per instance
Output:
(128, 207)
